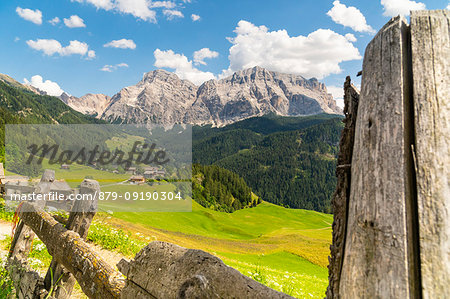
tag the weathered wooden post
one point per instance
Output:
(397, 223)
(96, 277)
(164, 270)
(23, 236)
(342, 194)
(83, 211)
(431, 92)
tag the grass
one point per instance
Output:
(76, 174)
(111, 238)
(285, 249)
(265, 229)
(6, 284)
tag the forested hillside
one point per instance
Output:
(283, 164)
(19, 105)
(288, 161)
(220, 189)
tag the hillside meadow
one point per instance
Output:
(286, 249)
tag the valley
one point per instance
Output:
(261, 186)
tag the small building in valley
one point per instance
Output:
(65, 166)
(153, 172)
(131, 170)
(137, 179)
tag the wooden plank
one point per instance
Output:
(377, 257)
(164, 270)
(96, 277)
(23, 236)
(79, 221)
(342, 194)
(22, 241)
(431, 75)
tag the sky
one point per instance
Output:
(101, 46)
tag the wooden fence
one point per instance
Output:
(391, 230)
(160, 270)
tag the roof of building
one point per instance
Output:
(15, 179)
(60, 185)
(137, 178)
(150, 168)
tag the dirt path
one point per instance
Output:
(5, 232)
(111, 257)
(5, 229)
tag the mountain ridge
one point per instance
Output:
(162, 97)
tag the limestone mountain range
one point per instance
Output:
(162, 97)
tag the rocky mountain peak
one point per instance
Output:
(163, 97)
(91, 104)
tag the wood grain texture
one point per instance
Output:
(431, 76)
(164, 270)
(377, 258)
(342, 194)
(79, 221)
(96, 277)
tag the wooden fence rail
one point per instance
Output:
(391, 232)
(160, 270)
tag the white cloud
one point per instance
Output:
(165, 4)
(172, 14)
(141, 9)
(338, 94)
(50, 87)
(350, 37)
(103, 4)
(205, 53)
(16, 39)
(349, 17)
(448, 7)
(393, 8)
(121, 43)
(138, 8)
(182, 66)
(316, 55)
(74, 22)
(195, 17)
(34, 16)
(91, 54)
(110, 68)
(54, 21)
(51, 47)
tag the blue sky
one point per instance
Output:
(101, 46)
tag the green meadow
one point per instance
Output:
(285, 249)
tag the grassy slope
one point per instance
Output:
(281, 246)
(286, 249)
